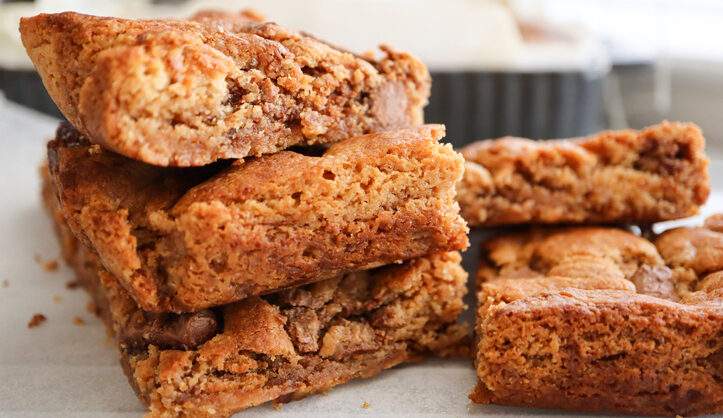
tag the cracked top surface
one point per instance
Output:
(166, 233)
(658, 173)
(220, 85)
(674, 266)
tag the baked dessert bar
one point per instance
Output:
(187, 239)
(599, 319)
(187, 93)
(282, 346)
(655, 174)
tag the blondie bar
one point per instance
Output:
(187, 239)
(599, 319)
(282, 346)
(187, 93)
(655, 174)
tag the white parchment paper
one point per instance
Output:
(62, 369)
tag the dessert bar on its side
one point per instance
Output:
(217, 86)
(640, 177)
(187, 239)
(282, 346)
(599, 319)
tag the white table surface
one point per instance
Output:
(61, 369)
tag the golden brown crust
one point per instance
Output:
(598, 319)
(286, 345)
(188, 239)
(187, 93)
(646, 176)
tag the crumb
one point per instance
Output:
(57, 298)
(278, 406)
(6, 283)
(78, 321)
(36, 320)
(93, 308)
(47, 265)
(365, 405)
(51, 265)
(73, 284)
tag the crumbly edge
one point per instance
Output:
(259, 90)
(403, 207)
(646, 176)
(597, 350)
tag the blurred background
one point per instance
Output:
(533, 68)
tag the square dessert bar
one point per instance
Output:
(655, 174)
(188, 93)
(282, 346)
(599, 319)
(187, 239)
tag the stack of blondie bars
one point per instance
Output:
(257, 214)
(588, 317)
(260, 215)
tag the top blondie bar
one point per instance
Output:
(216, 86)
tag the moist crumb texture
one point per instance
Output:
(216, 86)
(278, 347)
(599, 319)
(188, 239)
(655, 174)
